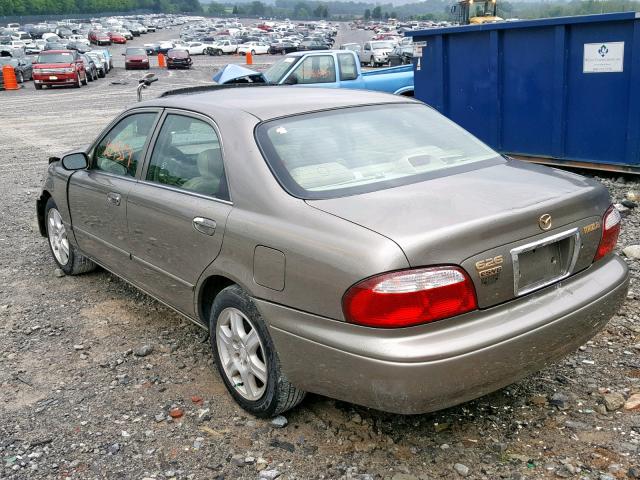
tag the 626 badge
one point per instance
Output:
(489, 269)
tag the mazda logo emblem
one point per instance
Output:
(545, 221)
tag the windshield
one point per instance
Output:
(380, 45)
(278, 70)
(55, 58)
(6, 60)
(355, 150)
(136, 51)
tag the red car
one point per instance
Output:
(177, 58)
(59, 67)
(136, 58)
(99, 38)
(116, 37)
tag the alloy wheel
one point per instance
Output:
(58, 236)
(242, 354)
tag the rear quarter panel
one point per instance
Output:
(324, 254)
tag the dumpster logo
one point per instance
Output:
(603, 50)
(603, 57)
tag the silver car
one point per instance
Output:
(353, 244)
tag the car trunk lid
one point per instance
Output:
(488, 220)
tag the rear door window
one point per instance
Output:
(187, 155)
(348, 70)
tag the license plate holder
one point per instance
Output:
(52, 77)
(546, 261)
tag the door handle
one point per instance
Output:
(204, 225)
(114, 198)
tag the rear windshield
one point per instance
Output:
(55, 58)
(356, 150)
(178, 53)
(380, 45)
(136, 51)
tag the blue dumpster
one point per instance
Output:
(559, 90)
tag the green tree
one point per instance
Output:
(301, 11)
(367, 14)
(377, 13)
(216, 8)
(321, 11)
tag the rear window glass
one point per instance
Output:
(55, 58)
(136, 51)
(355, 150)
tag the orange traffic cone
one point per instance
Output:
(249, 58)
(10, 81)
(161, 62)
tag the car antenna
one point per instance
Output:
(145, 82)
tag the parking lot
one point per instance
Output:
(97, 380)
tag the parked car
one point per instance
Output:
(375, 53)
(99, 37)
(136, 58)
(282, 48)
(319, 252)
(197, 48)
(255, 48)
(117, 38)
(307, 45)
(165, 46)
(354, 47)
(152, 48)
(223, 46)
(51, 37)
(21, 64)
(90, 67)
(54, 46)
(59, 67)
(178, 58)
(81, 47)
(100, 63)
(400, 55)
(329, 69)
(107, 56)
(35, 48)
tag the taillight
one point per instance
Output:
(610, 232)
(409, 297)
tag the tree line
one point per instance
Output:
(58, 7)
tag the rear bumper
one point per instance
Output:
(61, 79)
(137, 65)
(430, 367)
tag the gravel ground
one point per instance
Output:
(92, 372)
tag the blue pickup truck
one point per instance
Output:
(324, 68)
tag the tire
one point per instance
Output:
(253, 52)
(71, 262)
(101, 74)
(20, 77)
(86, 80)
(38, 86)
(233, 306)
(371, 62)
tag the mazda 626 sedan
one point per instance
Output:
(352, 244)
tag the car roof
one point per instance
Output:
(57, 51)
(267, 102)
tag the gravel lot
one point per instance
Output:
(91, 370)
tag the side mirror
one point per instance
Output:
(75, 161)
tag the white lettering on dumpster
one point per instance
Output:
(603, 57)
